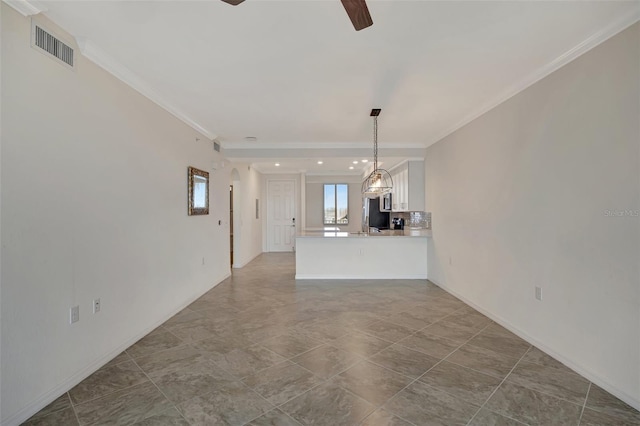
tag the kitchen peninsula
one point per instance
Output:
(344, 255)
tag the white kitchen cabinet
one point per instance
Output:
(408, 187)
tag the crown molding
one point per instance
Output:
(320, 145)
(295, 171)
(103, 60)
(345, 173)
(291, 171)
(594, 40)
(26, 7)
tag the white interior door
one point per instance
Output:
(281, 210)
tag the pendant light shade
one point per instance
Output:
(377, 183)
(379, 180)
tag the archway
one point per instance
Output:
(234, 214)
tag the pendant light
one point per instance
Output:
(379, 180)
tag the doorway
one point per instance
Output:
(235, 218)
(231, 225)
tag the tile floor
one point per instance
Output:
(263, 349)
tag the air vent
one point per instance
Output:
(216, 146)
(52, 45)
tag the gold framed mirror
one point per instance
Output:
(198, 192)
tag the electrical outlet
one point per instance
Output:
(203, 260)
(96, 305)
(538, 293)
(74, 314)
(450, 261)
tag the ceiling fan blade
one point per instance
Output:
(358, 13)
(233, 2)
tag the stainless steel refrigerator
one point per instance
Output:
(372, 217)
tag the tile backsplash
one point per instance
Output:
(415, 219)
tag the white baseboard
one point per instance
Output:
(50, 396)
(362, 277)
(245, 263)
(589, 375)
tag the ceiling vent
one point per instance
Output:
(51, 45)
(216, 146)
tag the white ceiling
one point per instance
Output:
(297, 73)
(330, 165)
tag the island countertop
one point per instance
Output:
(406, 233)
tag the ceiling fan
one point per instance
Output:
(356, 9)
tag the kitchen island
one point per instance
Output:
(348, 255)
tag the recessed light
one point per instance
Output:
(355, 161)
(277, 164)
(365, 160)
(319, 162)
(251, 139)
(350, 167)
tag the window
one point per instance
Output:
(336, 204)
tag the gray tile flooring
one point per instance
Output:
(263, 349)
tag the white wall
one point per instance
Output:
(94, 204)
(315, 201)
(1, 174)
(519, 199)
(247, 229)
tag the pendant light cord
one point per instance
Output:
(375, 143)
